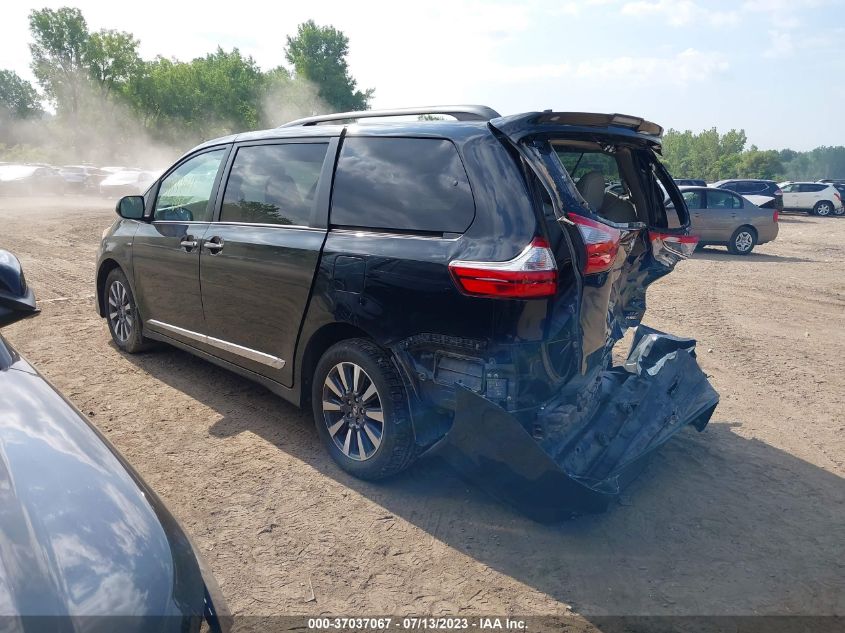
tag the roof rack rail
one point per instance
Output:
(459, 112)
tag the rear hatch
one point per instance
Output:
(609, 206)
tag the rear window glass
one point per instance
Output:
(273, 184)
(402, 184)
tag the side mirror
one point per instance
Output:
(131, 207)
(16, 300)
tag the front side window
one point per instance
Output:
(722, 200)
(402, 184)
(184, 194)
(693, 199)
(273, 184)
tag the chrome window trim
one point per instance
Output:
(270, 225)
(246, 352)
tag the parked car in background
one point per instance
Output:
(427, 278)
(690, 182)
(127, 182)
(722, 217)
(87, 545)
(82, 178)
(839, 185)
(820, 198)
(30, 180)
(753, 187)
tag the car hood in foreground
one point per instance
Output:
(80, 533)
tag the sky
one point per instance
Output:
(775, 68)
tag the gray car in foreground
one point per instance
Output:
(724, 218)
(85, 544)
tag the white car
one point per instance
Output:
(820, 198)
(129, 182)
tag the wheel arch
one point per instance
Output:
(106, 266)
(321, 340)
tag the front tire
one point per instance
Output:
(823, 208)
(361, 410)
(122, 314)
(742, 241)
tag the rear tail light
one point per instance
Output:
(778, 192)
(601, 242)
(838, 197)
(775, 216)
(529, 275)
(668, 248)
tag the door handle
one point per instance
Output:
(188, 243)
(214, 245)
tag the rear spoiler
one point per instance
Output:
(520, 125)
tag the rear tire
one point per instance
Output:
(122, 314)
(839, 212)
(823, 208)
(742, 241)
(361, 410)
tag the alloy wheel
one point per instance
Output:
(823, 209)
(120, 311)
(352, 411)
(744, 241)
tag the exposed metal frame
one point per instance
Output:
(459, 112)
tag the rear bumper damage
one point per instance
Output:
(583, 448)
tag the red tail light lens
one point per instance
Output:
(668, 248)
(529, 275)
(838, 197)
(775, 216)
(601, 242)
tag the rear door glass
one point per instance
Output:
(401, 184)
(722, 200)
(273, 184)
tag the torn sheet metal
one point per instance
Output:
(579, 452)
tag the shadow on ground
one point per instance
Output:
(717, 524)
(717, 254)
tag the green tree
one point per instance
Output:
(760, 164)
(112, 59)
(318, 54)
(18, 99)
(60, 38)
(212, 95)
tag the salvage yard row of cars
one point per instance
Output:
(40, 178)
(455, 285)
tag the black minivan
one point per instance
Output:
(383, 270)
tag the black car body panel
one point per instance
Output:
(85, 544)
(273, 303)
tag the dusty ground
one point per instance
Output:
(745, 518)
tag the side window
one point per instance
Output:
(730, 186)
(405, 184)
(722, 200)
(184, 194)
(788, 189)
(693, 199)
(273, 184)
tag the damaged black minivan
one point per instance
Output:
(458, 282)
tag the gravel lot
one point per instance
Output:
(745, 518)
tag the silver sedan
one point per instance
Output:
(722, 217)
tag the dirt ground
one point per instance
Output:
(745, 518)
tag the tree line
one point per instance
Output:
(713, 156)
(101, 93)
